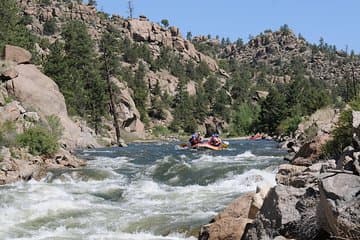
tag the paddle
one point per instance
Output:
(183, 145)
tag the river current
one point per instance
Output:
(147, 191)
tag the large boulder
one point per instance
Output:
(8, 74)
(38, 92)
(139, 29)
(128, 114)
(339, 208)
(286, 212)
(213, 125)
(322, 122)
(11, 112)
(16, 54)
(167, 82)
(225, 228)
(212, 64)
(231, 222)
(311, 151)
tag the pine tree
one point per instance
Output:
(273, 110)
(12, 31)
(184, 112)
(77, 74)
(110, 49)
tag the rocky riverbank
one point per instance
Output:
(314, 198)
(27, 99)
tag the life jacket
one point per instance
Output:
(215, 141)
(193, 140)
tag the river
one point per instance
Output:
(147, 191)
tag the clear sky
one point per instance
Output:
(337, 21)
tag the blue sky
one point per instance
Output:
(334, 20)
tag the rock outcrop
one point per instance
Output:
(283, 48)
(27, 98)
(311, 136)
(139, 32)
(128, 114)
(231, 222)
(314, 200)
(20, 165)
(36, 91)
(339, 207)
(16, 54)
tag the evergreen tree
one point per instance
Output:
(165, 22)
(78, 75)
(183, 110)
(222, 104)
(211, 86)
(201, 103)
(138, 85)
(92, 2)
(55, 65)
(273, 111)
(110, 49)
(157, 103)
(12, 29)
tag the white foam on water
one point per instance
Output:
(146, 198)
(246, 154)
(98, 151)
(108, 162)
(247, 158)
(73, 207)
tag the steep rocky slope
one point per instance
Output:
(27, 98)
(279, 50)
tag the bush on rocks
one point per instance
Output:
(42, 139)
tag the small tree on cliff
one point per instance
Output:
(92, 3)
(165, 22)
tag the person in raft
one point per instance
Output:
(195, 139)
(215, 140)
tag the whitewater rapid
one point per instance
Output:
(148, 192)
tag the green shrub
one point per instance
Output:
(54, 126)
(39, 141)
(243, 119)
(342, 136)
(26, 20)
(44, 43)
(289, 125)
(42, 139)
(50, 27)
(45, 2)
(160, 131)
